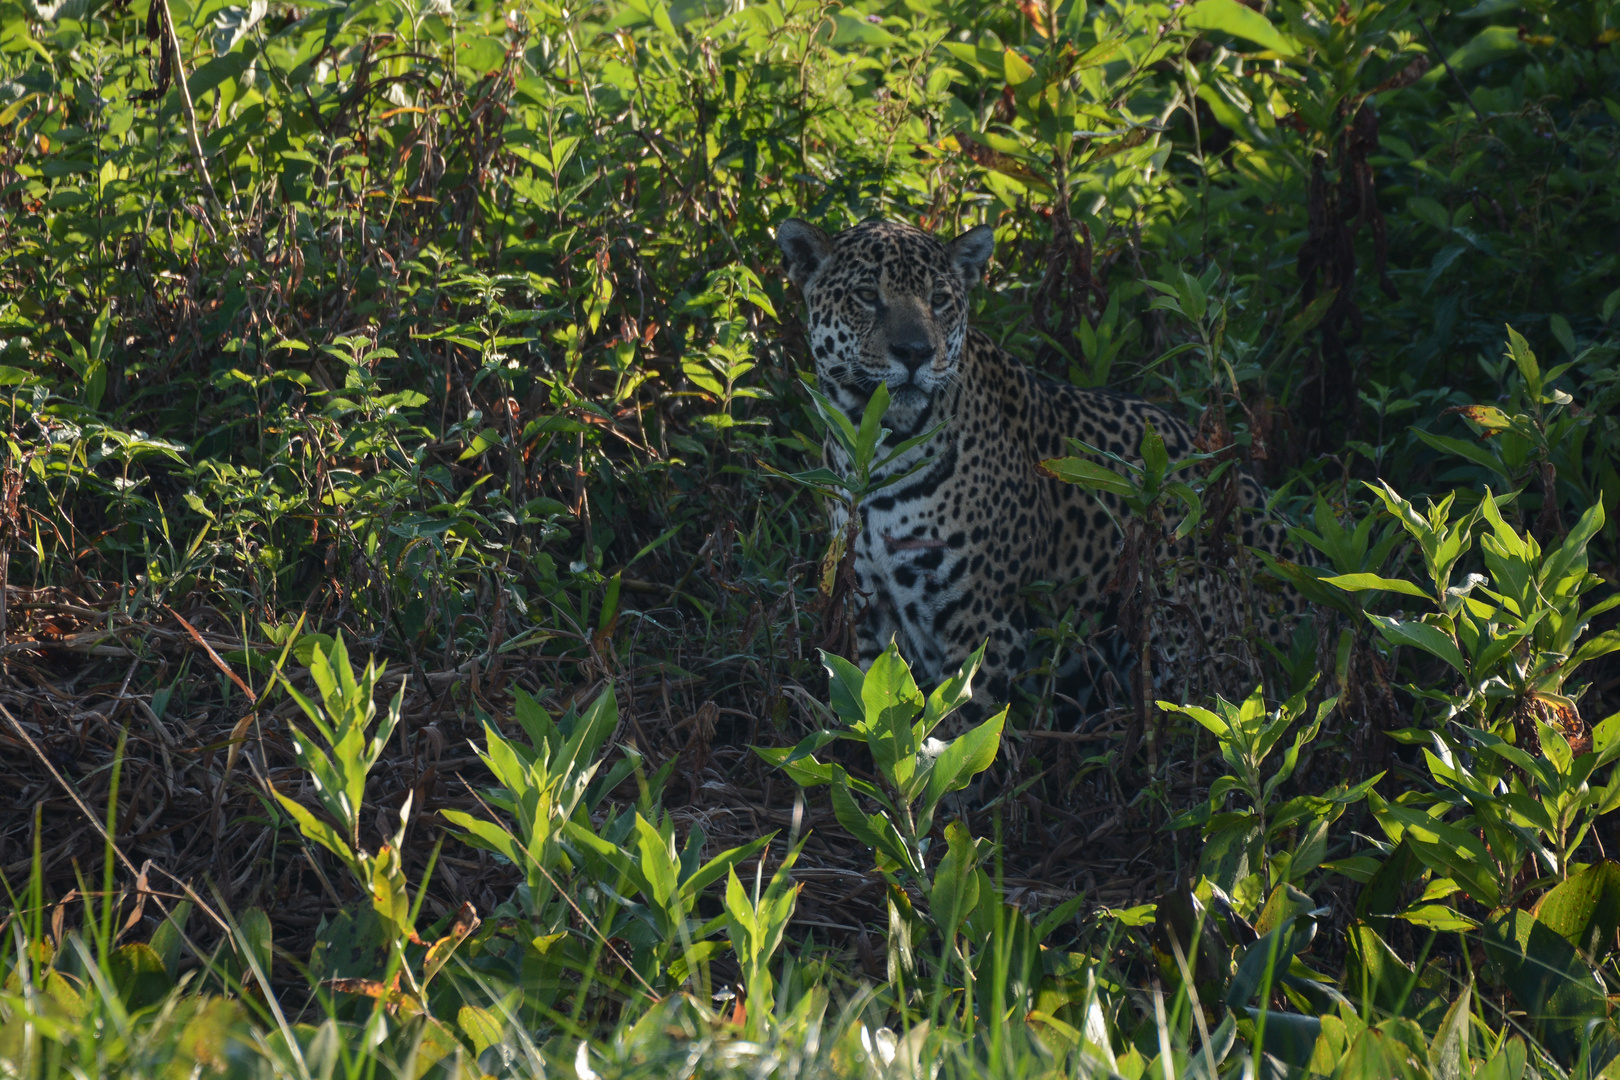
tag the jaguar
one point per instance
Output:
(956, 554)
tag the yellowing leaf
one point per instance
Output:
(1018, 69)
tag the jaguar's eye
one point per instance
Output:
(941, 299)
(868, 295)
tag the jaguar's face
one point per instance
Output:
(887, 304)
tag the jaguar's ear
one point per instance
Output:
(805, 249)
(971, 251)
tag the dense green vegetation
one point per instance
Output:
(451, 334)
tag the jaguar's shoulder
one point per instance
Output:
(1051, 410)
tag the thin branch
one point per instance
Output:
(1435, 45)
(186, 106)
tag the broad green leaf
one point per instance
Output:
(871, 431)
(1087, 474)
(487, 835)
(1430, 639)
(953, 693)
(480, 1025)
(317, 830)
(1438, 917)
(1017, 70)
(1449, 1050)
(876, 831)
(657, 863)
(716, 868)
(1374, 974)
(139, 975)
(1231, 17)
(955, 890)
(1489, 45)
(965, 757)
(853, 29)
(1365, 582)
(1467, 450)
(1547, 977)
(1445, 848)
(1584, 909)
(1154, 456)
(845, 688)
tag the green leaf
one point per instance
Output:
(139, 975)
(1087, 474)
(389, 898)
(837, 423)
(853, 29)
(253, 936)
(876, 831)
(692, 959)
(657, 863)
(1154, 456)
(609, 852)
(1570, 557)
(1525, 360)
(891, 702)
(872, 431)
(889, 689)
(1195, 507)
(1017, 70)
(487, 835)
(716, 868)
(1549, 979)
(1489, 45)
(965, 757)
(844, 686)
(1266, 961)
(1374, 974)
(1214, 723)
(317, 830)
(485, 439)
(1443, 847)
(1584, 910)
(1465, 450)
(1231, 17)
(1430, 639)
(167, 940)
(955, 890)
(1366, 582)
(953, 693)
(480, 1025)
(1438, 917)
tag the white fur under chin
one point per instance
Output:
(906, 406)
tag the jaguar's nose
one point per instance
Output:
(912, 352)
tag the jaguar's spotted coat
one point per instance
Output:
(945, 555)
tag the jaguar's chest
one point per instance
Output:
(913, 547)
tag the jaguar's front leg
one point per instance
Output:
(877, 621)
(1003, 629)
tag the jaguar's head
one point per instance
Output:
(887, 304)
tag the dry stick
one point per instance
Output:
(186, 106)
(209, 649)
(240, 728)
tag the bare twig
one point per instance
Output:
(212, 655)
(186, 106)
